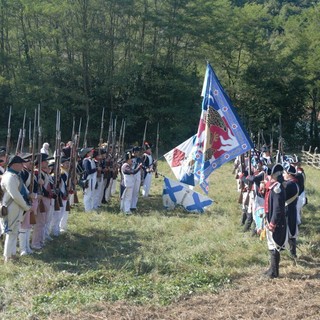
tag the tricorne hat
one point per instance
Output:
(84, 151)
(43, 157)
(291, 170)
(277, 169)
(15, 159)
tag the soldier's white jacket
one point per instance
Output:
(12, 185)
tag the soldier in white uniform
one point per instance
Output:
(15, 198)
(147, 161)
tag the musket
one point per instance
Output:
(8, 137)
(101, 129)
(18, 142)
(246, 202)
(73, 128)
(144, 133)
(114, 136)
(120, 137)
(110, 131)
(74, 162)
(30, 137)
(70, 179)
(57, 172)
(100, 143)
(271, 142)
(279, 157)
(40, 193)
(123, 134)
(114, 142)
(86, 133)
(23, 131)
(155, 165)
(79, 134)
(32, 150)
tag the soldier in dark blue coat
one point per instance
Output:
(292, 194)
(275, 197)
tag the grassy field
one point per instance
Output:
(153, 257)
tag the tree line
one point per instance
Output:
(144, 60)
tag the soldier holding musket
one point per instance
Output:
(148, 162)
(136, 161)
(15, 199)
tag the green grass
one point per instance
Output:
(153, 257)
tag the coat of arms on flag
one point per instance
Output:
(220, 136)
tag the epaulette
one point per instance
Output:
(277, 188)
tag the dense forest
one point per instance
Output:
(144, 60)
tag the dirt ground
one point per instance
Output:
(294, 295)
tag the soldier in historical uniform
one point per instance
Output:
(15, 198)
(26, 227)
(38, 236)
(98, 156)
(64, 210)
(136, 161)
(292, 194)
(128, 179)
(90, 173)
(276, 226)
(147, 161)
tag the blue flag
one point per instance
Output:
(175, 193)
(221, 136)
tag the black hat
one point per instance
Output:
(84, 151)
(15, 159)
(128, 156)
(64, 159)
(277, 169)
(136, 149)
(43, 157)
(291, 170)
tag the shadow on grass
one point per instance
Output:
(311, 221)
(148, 206)
(74, 252)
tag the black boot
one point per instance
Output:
(273, 271)
(244, 216)
(277, 254)
(293, 247)
(248, 222)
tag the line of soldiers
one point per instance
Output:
(38, 190)
(271, 196)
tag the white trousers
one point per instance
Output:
(135, 191)
(64, 217)
(88, 197)
(146, 185)
(126, 199)
(11, 237)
